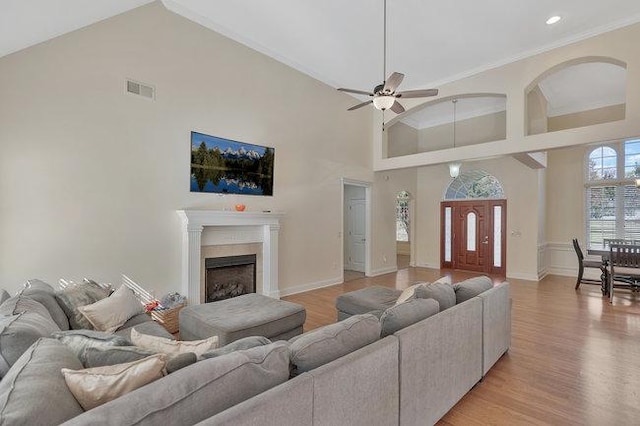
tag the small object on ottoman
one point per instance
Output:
(247, 315)
(366, 300)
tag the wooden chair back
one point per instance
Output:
(624, 256)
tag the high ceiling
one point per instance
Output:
(340, 42)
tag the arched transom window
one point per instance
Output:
(474, 184)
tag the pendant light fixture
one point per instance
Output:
(454, 168)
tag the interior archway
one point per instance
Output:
(576, 93)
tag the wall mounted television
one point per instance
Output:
(224, 166)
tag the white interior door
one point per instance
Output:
(356, 235)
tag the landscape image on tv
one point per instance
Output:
(228, 167)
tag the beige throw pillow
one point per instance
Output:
(95, 386)
(111, 313)
(173, 347)
(408, 293)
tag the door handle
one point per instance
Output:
(486, 240)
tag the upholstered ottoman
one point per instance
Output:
(366, 300)
(247, 315)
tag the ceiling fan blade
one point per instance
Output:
(397, 108)
(360, 105)
(418, 93)
(393, 82)
(359, 92)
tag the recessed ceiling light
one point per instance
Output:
(553, 20)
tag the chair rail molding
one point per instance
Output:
(228, 227)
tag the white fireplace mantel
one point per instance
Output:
(194, 222)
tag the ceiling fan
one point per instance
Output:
(385, 95)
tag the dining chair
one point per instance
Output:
(624, 264)
(582, 263)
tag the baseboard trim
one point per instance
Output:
(427, 265)
(520, 276)
(310, 286)
(382, 271)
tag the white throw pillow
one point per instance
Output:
(95, 386)
(408, 292)
(111, 313)
(173, 347)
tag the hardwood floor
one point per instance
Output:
(574, 358)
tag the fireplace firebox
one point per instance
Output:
(229, 276)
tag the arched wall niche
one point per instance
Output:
(448, 122)
(576, 93)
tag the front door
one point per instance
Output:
(473, 235)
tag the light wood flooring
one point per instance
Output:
(574, 358)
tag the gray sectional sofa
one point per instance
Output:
(411, 377)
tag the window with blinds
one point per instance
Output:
(612, 198)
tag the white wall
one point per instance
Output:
(90, 178)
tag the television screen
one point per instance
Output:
(224, 166)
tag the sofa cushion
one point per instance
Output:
(409, 293)
(112, 355)
(403, 315)
(317, 347)
(173, 347)
(36, 284)
(114, 311)
(197, 392)
(79, 340)
(18, 333)
(48, 300)
(442, 292)
(19, 304)
(34, 392)
(78, 295)
(238, 345)
(472, 287)
(367, 299)
(93, 387)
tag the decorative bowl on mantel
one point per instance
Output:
(240, 207)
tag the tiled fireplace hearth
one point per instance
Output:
(212, 233)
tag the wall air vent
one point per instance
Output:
(140, 89)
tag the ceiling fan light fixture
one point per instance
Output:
(383, 102)
(454, 169)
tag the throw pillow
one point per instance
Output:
(111, 313)
(95, 386)
(18, 333)
(100, 357)
(409, 292)
(472, 287)
(238, 345)
(318, 347)
(34, 392)
(403, 315)
(19, 304)
(173, 347)
(79, 340)
(443, 293)
(75, 296)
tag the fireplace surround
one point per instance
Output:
(217, 229)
